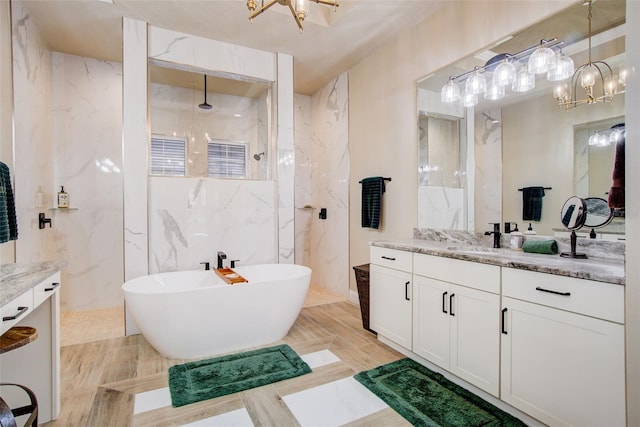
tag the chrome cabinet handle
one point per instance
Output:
(386, 257)
(564, 294)
(54, 285)
(21, 311)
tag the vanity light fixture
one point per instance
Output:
(299, 8)
(589, 76)
(606, 137)
(508, 69)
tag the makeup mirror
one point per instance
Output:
(573, 216)
(598, 214)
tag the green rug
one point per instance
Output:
(205, 379)
(426, 398)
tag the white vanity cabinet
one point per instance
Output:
(390, 294)
(563, 349)
(456, 322)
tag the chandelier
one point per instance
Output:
(589, 76)
(299, 8)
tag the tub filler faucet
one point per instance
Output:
(221, 256)
(496, 234)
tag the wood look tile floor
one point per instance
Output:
(99, 379)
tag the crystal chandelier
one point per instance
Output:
(299, 8)
(589, 76)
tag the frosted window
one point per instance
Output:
(227, 159)
(168, 156)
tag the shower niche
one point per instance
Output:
(207, 124)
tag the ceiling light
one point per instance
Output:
(299, 8)
(591, 75)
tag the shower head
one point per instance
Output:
(204, 105)
(257, 156)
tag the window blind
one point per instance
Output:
(168, 156)
(227, 159)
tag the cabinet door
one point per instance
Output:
(475, 337)
(390, 304)
(431, 320)
(563, 368)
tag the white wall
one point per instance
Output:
(382, 98)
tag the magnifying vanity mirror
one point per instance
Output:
(573, 217)
(599, 213)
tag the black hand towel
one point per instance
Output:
(8, 221)
(372, 189)
(616, 192)
(532, 203)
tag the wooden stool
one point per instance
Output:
(14, 338)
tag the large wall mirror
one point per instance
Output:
(204, 124)
(525, 139)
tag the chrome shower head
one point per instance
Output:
(257, 156)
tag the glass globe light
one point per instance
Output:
(450, 92)
(524, 81)
(468, 99)
(541, 60)
(476, 83)
(504, 74)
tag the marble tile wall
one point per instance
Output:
(304, 217)
(87, 115)
(191, 219)
(328, 151)
(174, 111)
(488, 171)
(441, 207)
(285, 163)
(33, 145)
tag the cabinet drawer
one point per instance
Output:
(588, 297)
(16, 310)
(466, 273)
(45, 289)
(392, 258)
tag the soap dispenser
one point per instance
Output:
(516, 239)
(530, 231)
(63, 198)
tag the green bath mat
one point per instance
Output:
(426, 398)
(205, 379)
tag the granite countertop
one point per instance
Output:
(607, 270)
(16, 279)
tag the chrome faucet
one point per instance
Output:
(496, 234)
(221, 256)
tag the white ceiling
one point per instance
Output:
(331, 43)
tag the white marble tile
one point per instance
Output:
(150, 400)
(328, 151)
(303, 217)
(207, 54)
(440, 207)
(237, 418)
(488, 171)
(320, 358)
(33, 127)
(135, 147)
(286, 160)
(333, 404)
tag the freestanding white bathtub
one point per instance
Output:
(194, 314)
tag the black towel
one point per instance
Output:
(8, 221)
(616, 192)
(372, 189)
(532, 203)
